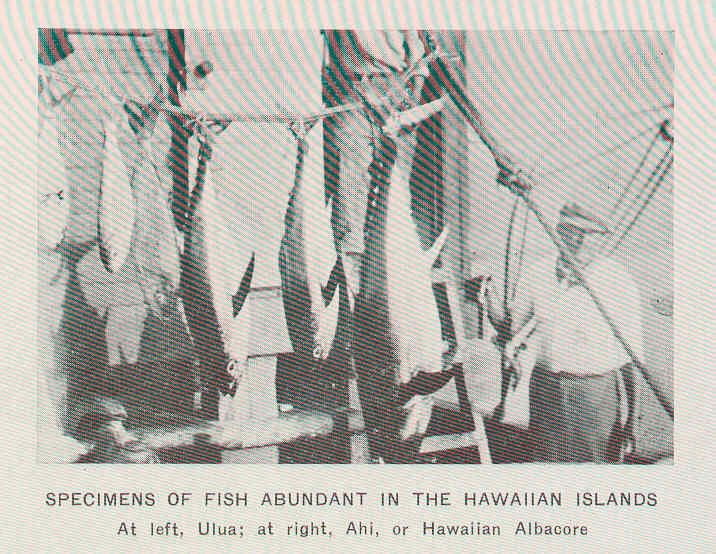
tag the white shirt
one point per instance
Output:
(376, 51)
(577, 339)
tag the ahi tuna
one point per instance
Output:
(398, 337)
(213, 289)
(307, 256)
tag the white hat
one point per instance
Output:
(574, 219)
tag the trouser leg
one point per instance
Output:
(594, 418)
(546, 426)
(574, 419)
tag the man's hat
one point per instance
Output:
(574, 218)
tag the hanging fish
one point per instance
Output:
(213, 286)
(414, 322)
(398, 343)
(118, 203)
(156, 247)
(307, 256)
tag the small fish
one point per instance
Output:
(307, 256)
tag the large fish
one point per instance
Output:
(118, 202)
(214, 285)
(398, 338)
(307, 256)
(149, 276)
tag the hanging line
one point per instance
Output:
(627, 187)
(614, 221)
(518, 273)
(508, 248)
(670, 159)
(612, 117)
(599, 154)
(627, 218)
(306, 117)
(623, 115)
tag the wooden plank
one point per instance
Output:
(236, 435)
(480, 438)
(268, 335)
(360, 449)
(440, 443)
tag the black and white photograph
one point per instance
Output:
(355, 246)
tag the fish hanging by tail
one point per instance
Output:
(307, 256)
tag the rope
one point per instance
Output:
(627, 187)
(621, 222)
(646, 201)
(599, 154)
(518, 273)
(269, 117)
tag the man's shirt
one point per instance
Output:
(577, 339)
(361, 53)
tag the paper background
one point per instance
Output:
(683, 517)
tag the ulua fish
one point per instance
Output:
(307, 256)
(149, 277)
(118, 203)
(214, 284)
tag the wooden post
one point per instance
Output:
(179, 151)
(257, 401)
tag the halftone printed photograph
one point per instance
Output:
(355, 246)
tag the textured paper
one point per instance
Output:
(682, 517)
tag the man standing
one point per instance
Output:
(366, 67)
(583, 375)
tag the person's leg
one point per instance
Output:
(546, 429)
(593, 412)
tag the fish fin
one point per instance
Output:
(432, 253)
(327, 324)
(328, 289)
(237, 343)
(332, 258)
(237, 301)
